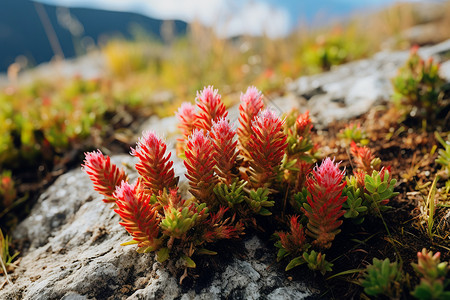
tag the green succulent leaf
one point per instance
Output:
(316, 261)
(204, 251)
(258, 201)
(162, 255)
(300, 198)
(188, 262)
(295, 263)
(381, 278)
(231, 194)
(354, 207)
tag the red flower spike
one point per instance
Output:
(268, 143)
(105, 175)
(210, 107)
(223, 138)
(363, 157)
(303, 124)
(154, 165)
(251, 105)
(186, 118)
(200, 165)
(383, 171)
(294, 241)
(139, 217)
(221, 229)
(360, 179)
(324, 206)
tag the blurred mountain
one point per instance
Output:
(22, 30)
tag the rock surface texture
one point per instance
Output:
(72, 239)
(350, 90)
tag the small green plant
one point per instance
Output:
(434, 279)
(417, 86)
(435, 202)
(380, 188)
(370, 187)
(353, 132)
(6, 257)
(382, 278)
(314, 260)
(333, 48)
(443, 154)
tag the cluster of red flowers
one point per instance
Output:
(230, 167)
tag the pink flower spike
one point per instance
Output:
(303, 124)
(225, 146)
(139, 217)
(363, 157)
(294, 241)
(268, 143)
(186, 118)
(200, 165)
(251, 105)
(252, 100)
(210, 107)
(324, 206)
(154, 165)
(104, 175)
(327, 175)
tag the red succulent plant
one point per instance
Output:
(324, 207)
(186, 118)
(295, 241)
(303, 124)
(251, 105)
(105, 175)
(220, 228)
(200, 165)
(154, 164)
(268, 143)
(139, 217)
(225, 146)
(364, 158)
(210, 108)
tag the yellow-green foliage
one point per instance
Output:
(5, 255)
(417, 86)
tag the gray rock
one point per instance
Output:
(350, 90)
(286, 294)
(445, 70)
(89, 66)
(440, 51)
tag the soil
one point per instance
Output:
(408, 149)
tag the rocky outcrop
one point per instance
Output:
(350, 90)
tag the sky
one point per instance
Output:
(274, 18)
